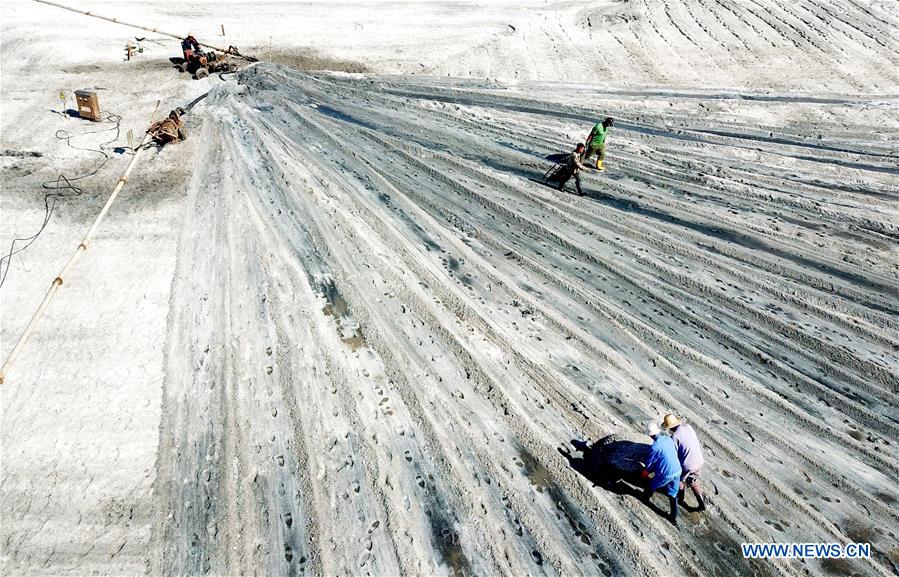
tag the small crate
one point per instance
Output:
(88, 105)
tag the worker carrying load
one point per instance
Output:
(689, 454)
(570, 165)
(662, 470)
(596, 142)
(189, 46)
(169, 129)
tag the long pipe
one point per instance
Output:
(156, 30)
(82, 247)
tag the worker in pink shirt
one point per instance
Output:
(689, 453)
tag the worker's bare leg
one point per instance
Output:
(693, 483)
(697, 490)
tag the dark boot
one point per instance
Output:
(681, 497)
(673, 515)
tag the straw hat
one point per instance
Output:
(670, 421)
(652, 429)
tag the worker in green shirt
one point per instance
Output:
(596, 142)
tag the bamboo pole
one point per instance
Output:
(156, 30)
(82, 247)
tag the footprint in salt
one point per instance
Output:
(365, 558)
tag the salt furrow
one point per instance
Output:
(473, 322)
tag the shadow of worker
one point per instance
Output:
(614, 463)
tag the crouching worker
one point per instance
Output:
(189, 46)
(662, 469)
(169, 129)
(689, 454)
(572, 167)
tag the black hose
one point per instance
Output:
(60, 185)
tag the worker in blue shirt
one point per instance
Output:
(189, 47)
(662, 468)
